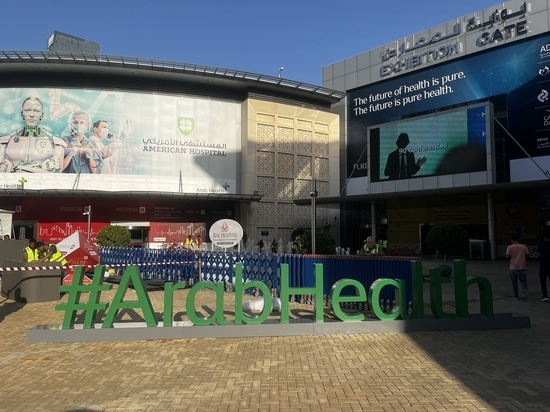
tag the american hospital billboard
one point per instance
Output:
(117, 141)
(515, 68)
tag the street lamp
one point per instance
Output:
(280, 71)
(313, 195)
(88, 212)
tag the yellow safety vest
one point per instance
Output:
(32, 254)
(373, 250)
(57, 256)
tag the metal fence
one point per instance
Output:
(172, 265)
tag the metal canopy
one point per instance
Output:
(451, 191)
(129, 194)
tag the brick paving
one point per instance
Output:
(500, 370)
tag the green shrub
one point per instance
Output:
(114, 236)
(447, 239)
(301, 245)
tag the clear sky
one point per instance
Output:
(257, 36)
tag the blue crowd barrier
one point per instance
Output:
(175, 265)
(364, 269)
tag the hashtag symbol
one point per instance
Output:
(74, 292)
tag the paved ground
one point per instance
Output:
(505, 370)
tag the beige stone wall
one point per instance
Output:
(283, 148)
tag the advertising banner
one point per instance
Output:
(55, 232)
(516, 71)
(176, 231)
(117, 141)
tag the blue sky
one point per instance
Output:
(258, 36)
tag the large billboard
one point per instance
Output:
(447, 143)
(117, 141)
(516, 71)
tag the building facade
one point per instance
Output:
(65, 43)
(163, 148)
(449, 125)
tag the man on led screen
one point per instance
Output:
(401, 163)
(31, 148)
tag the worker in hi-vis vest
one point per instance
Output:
(31, 252)
(372, 248)
(50, 253)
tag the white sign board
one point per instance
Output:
(226, 233)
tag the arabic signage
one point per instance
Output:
(502, 24)
(115, 141)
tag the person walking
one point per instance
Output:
(544, 262)
(517, 254)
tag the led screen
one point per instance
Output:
(447, 143)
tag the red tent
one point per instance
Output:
(78, 251)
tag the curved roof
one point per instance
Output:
(28, 68)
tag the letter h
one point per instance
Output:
(316, 289)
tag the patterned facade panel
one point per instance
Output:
(289, 149)
(322, 188)
(303, 141)
(321, 168)
(303, 215)
(285, 214)
(265, 136)
(303, 166)
(320, 145)
(265, 163)
(322, 216)
(266, 186)
(302, 188)
(285, 139)
(285, 188)
(285, 164)
(265, 213)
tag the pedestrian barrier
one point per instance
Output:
(218, 266)
(22, 268)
